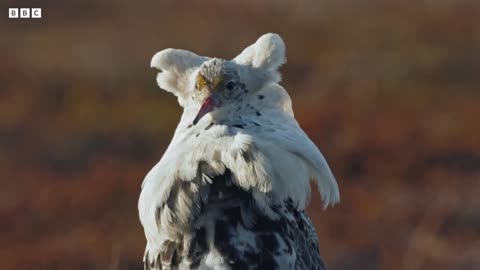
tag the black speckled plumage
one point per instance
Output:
(228, 192)
(243, 236)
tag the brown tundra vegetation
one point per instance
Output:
(389, 91)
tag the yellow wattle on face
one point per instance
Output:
(208, 103)
(202, 82)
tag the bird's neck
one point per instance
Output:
(229, 114)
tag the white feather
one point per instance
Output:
(176, 67)
(274, 160)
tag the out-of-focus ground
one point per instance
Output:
(389, 91)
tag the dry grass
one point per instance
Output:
(388, 90)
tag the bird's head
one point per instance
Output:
(217, 84)
(212, 83)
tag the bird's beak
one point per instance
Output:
(208, 105)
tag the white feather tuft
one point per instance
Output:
(267, 53)
(175, 69)
(264, 57)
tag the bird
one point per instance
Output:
(230, 190)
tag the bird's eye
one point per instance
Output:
(230, 85)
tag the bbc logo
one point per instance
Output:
(24, 13)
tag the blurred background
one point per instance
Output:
(388, 90)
